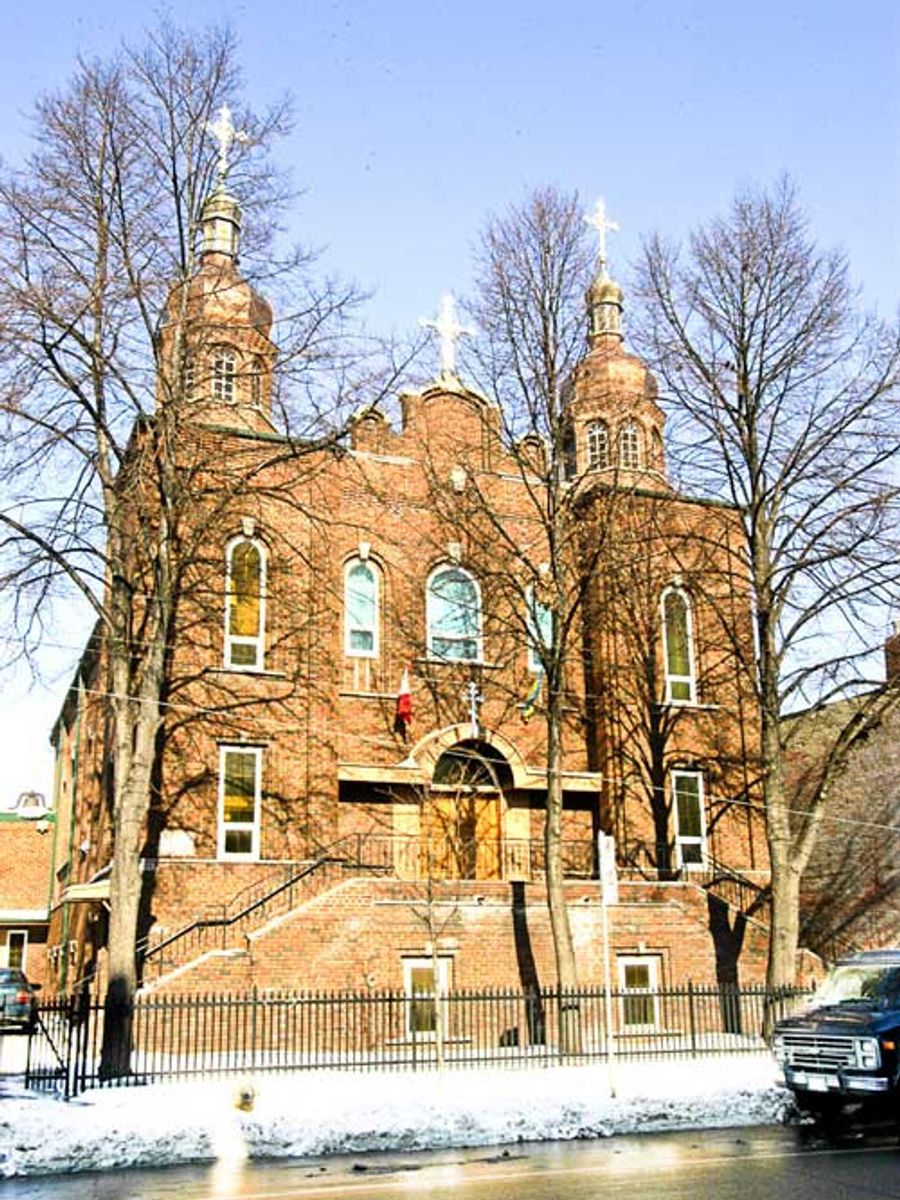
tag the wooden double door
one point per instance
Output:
(460, 834)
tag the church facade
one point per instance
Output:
(351, 778)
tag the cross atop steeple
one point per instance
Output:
(600, 221)
(449, 332)
(226, 135)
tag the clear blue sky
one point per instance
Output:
(415, 120)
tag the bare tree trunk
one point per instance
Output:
(136, 721)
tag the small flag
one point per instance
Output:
(534, 694)
(403, 715)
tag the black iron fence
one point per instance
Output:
(182, 1037)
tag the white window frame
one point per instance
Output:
(23, 934)
(223, 828)
(629, 446)
(430, 599)
(258, 640)
(418, 963)
(224, 374)
(651, 992)
(682, 840)
(597, 461)
(535, 637)
(374, 629)
(673, 680)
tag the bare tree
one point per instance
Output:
(100, 495)
(787, 400)
(533, 266)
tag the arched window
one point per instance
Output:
(190, 379)
(245, 617)
(453, 615)
(597, 446)
(539, 622)
(678, 646)
(223, 374)
(569, 451)
(360, 609)
(629, 446)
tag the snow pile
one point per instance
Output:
(321, 1113)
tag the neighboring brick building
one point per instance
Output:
(850, 893)
(325, 843)
(27, 834)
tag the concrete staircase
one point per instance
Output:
(224, 936)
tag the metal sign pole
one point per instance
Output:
(606, 858)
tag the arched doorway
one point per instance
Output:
(462, 813)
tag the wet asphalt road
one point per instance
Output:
(747, 1164)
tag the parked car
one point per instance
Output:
(844, 1049)
(18, 999)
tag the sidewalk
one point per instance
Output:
(320, 1113)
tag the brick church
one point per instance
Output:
(351, 778)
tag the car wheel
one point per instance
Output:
(826, 1110)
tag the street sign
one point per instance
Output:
(609, 880)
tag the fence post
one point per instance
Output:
(692, 1018)
(253, 1016)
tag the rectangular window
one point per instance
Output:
(639, 988)
(16, 947)
(690, 819)
(240, 772)
(422, 996)
(223, 376)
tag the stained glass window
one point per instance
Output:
(453, 614)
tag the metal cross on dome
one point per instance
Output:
(600, 221)
(449, 332)
(226, 135)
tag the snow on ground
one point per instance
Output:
(328, 1112)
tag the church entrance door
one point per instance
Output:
(461, 825)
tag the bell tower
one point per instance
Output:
(216, 354)
(615, 426)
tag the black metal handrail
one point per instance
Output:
(510, 858)
(146, 950)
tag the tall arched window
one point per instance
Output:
(629, 446)
(245, 616)
(539, 622)
(223, 374)
(597, 446)
(678, 646)
(360, 609)
(453, 615)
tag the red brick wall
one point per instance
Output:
(357, 935)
